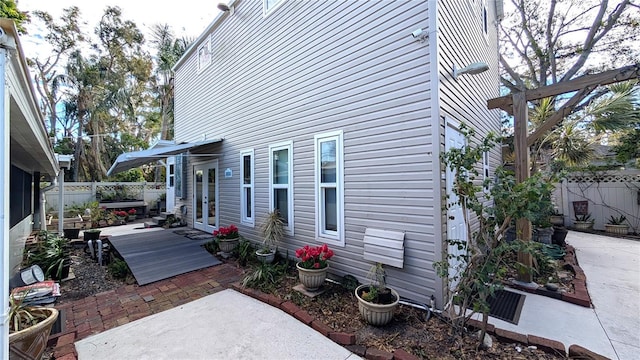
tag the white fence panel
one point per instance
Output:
(608, 193)
(76, 193)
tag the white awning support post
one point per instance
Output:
(5, 173)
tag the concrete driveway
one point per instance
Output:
(612, 267)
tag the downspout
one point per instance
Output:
(43, 202)
(5, 151)
(61, 201)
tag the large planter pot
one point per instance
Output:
(617, 229)
(91, 235)
(266, 258)
(559, 234)
(131, 218)
(583, 225)
(30, 343)
(543, 235)
(72, 233)
(557, 220)
(312, 279)
(227, 245)
(376, 314)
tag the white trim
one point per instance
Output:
(244, 219)
(334, 237)
(288, 145)
(266, 12)
(212, 164)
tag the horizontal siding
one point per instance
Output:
(461, 41)
(315, 67)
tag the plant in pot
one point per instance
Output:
(616, 225)
(132, 214)
(557, 218)
(583, 222)
(227, 238)
(313, 265)
(29, 329)
(57, 257)
(272, 232)
(376, 301)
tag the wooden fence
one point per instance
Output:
(77, 193)
(608, 193)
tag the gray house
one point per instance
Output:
(335, 113)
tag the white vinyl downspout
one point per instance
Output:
(61, 201)
(5, 169)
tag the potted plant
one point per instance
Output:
(557, 218)
(91, 234)
(313, 265)
(227, 238)
(29, 329)
(272, 232)
(57, 257)
(132, 214)
(121, 216)
(376, 301)
(583, 222)
(616, 225)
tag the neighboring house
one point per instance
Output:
(335, 113)
(26, 156)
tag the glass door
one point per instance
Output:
(205, 199)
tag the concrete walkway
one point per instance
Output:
(612, 266)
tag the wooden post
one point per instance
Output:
(520, 121)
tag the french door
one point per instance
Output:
(205, 196)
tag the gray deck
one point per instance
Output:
(160, 254)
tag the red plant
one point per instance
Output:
(230, 232)
(120, 213)
(314, 257)
(132, 211)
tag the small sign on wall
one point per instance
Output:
(228, 173)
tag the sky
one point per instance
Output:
(187, 18)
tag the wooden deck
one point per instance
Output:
(161, 254)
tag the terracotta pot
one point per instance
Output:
(31, 342)
(376, 314)
(312, 279)
(227, 245)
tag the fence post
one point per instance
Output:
(565, 200)
(94, 190)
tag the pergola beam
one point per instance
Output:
(604, 78)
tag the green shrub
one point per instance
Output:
(265, 277)
(119, 269)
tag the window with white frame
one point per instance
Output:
(329, 182)
(269, 5)
(204, 54)
(247, 210)
(281, 182)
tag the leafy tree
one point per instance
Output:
(9, 10)
(64, 36)
(546, 42)
(628, 147)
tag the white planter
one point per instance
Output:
(266, 258)
(617, 229)
(557, 220)
(376, 314)
(227, 245)
(312, 279)
(583, 225)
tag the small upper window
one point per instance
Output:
(204, 54)
(270, 5)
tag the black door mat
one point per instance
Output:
(506, 305)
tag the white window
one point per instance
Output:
(269, 5)
(281, 182)
(247, 206)
(204, 55)
(329, 182)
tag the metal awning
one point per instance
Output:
(134, 159)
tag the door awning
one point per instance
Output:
(134, 159)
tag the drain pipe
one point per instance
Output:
(43, 202)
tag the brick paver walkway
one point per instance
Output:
(113, 308)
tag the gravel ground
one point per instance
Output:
(89, 278)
